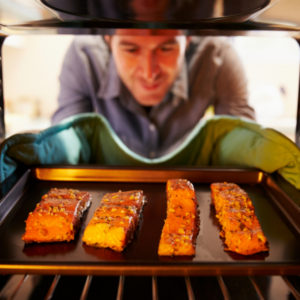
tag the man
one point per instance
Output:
(153, 86)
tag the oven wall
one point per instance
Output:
(2, 126)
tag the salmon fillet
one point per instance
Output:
(181, 224)
(115, 220)
(235, 212)
(56, 217)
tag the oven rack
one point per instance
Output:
(31, 286)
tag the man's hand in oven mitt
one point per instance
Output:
(219, 141)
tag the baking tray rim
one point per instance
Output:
(207, 269)
(139, 174)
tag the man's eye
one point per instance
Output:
(167, 48)
(130, 50)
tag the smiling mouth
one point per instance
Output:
(151, 86)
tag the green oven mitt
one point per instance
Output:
(220, 141)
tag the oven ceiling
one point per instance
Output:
(60, 16)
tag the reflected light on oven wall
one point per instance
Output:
(18, 11)
(31, 65)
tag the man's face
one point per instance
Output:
(148, 64)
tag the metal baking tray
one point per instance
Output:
(278, 214)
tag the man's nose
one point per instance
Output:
(149, 66)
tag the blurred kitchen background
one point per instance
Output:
(31, 66)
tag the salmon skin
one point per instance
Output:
(57, 216)
(235, 212)
(115, 220)
(180, 228)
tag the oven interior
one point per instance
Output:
(33, 24)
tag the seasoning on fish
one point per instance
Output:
(181, 224)
(57, 216)
(115, 220)
(235, 212)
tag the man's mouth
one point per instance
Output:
(151, 85)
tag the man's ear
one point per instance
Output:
(107, 39)
(188, 40)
